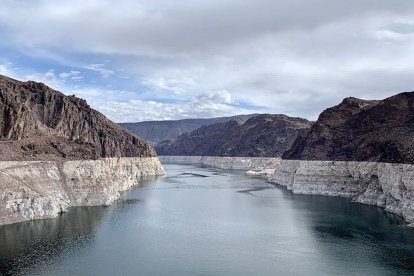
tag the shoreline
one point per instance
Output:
(386, 185)
(32, 190)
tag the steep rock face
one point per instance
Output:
(43, 189)
(37, 123)
(259, 136)
(157, 131)
(358, 130)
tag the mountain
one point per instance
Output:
(39, 123)
(360, 130)
(157, 131)
(259, 136)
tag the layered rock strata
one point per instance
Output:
(43, 189)
(387, 185)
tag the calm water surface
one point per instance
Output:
(204, 221)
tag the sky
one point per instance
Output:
(136, 60)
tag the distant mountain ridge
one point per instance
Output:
(157, 131)
(264, 135)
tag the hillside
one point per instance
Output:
(360, 130)
(157, 131)
(39, 123)
(259, 136)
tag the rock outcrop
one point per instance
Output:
(359, 130)
(157, 131)
(260, 136)
(43, 189)
(39, 123)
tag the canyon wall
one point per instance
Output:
(387, 185)
(258, 164)
(43, 189)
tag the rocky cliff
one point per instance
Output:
(157, 131)
(359, 130)
(39, 123)
(57, 152)
(260, 136)
(43, 189)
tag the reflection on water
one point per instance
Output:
(29, 244)
(204, 221)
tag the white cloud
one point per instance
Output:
(218, 97)
(100, 68)
(134, 109)
(73, 74)
(5, 69)
(176, 85)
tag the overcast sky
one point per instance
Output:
(160, 59)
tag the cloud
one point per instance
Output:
(100, 68)
(174, 85)
(4, 69)
(122, 106)
(73, 74)
(215, 57)
(165, 27)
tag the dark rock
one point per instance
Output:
(259, 136)
(37, 122)
(360, 130)
(157, 131)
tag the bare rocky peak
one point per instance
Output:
(39, 123)
(361, 130)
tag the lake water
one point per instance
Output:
(204, 221)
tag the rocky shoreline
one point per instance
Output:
(387, 185)
(43, 189)
(257, 164)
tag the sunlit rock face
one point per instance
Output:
(229, 163)
(43, 189)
